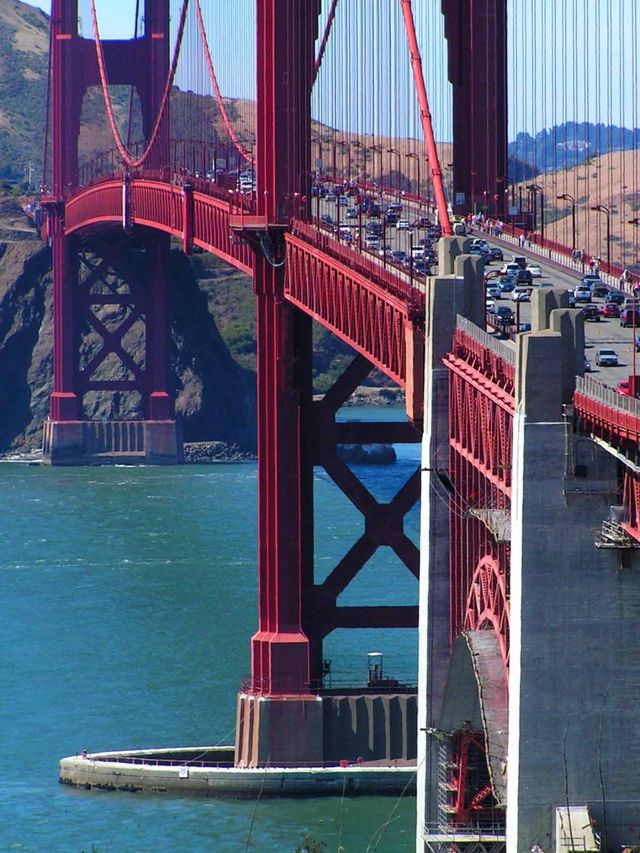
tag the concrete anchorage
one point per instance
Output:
(575, 647)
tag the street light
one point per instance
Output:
(602, 208)
(357, 144)
(536, 188)
(416, 157)
(399, 156)
(572, 202)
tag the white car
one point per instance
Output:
(402, 225)
(521, 294)
(607, 358)
(535, 270)
(490, 306)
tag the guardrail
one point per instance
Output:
(591, 387)
(500, 348)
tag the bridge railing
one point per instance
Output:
(502, 349)
(591, 387)
(392, 283)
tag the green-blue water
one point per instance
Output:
(128, 600)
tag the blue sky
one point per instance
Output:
(583, 40)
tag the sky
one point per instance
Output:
(564, 58)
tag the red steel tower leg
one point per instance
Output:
(476, 31)
(275, 728)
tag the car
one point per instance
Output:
(623, 387)
(345, 234)
(582, 294)
(617, 296)
(607, 358)
(480, 241)
(523, 277)
(587, 365)
(351, 213)
(504, 314)
(478, 252)
(327, 219)
(395, 206)
(591, 280)
(591, 312)
(398, 256)
(611, 309)
(494, 292)
(372, 242)
(521, 294)
(524, 327)
(512, 268)
(373, 211)
(391, 218)
(490, 306)
(421, 222)
(627, 318)
(402, 225)
(506, 284)
(417, 253)
(421, 268)
(535, 270)
(495, 253)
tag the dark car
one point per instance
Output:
(524, 277)
(591, 312)
(504, 314)
(617, 296)
(495, 254)
(421, 222)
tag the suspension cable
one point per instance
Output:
(425, 116)
(325, 38)
(128, 159)
(246, 155)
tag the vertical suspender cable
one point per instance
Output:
(425, 116)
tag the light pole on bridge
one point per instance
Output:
(602, 208)
(413, 156)
(534, 189)
(572, 202)
(399, 156)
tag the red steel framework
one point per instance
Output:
(478, 488)
(297, 276)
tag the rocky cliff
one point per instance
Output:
(215, 396)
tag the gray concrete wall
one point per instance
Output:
(373, 727)
(447, 296)
(575, 616)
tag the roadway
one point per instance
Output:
(605, 333)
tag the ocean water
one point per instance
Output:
(128, 599)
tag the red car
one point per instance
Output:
(623, 387)
(611, 309)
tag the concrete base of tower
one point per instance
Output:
(338, 727)
(283, 731)
(112, 442)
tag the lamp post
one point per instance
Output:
(416, 157)
(572, 202)
(602, 208)
(536, 188)
(356, 144)
(399, 156)
(635, 222)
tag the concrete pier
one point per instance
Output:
(111, 442)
